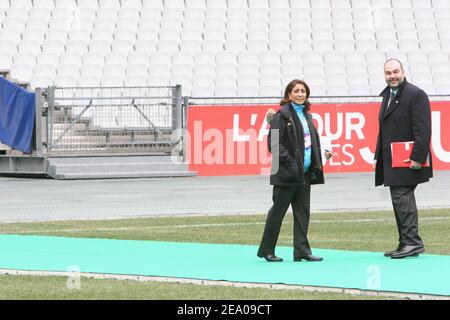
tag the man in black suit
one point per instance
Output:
(404, 116)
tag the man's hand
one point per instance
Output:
(374, 165)
(414, 165)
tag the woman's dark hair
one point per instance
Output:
(288, 90)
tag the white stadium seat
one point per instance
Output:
(235, 45)
(247, 80)
(226, 69)
(136, 70)
(24, 59)
(44, 71)
(182, 70)
(193, 24)
(17, 13)
(225, 80)
(29, 46)
(102, 35)
(225, 91)
(40, 82)
(6, 62)
(214, 23)
(160, 58)
(65, 81)
(105, 23)
(70, 4)
(204, 69)
(88, 81)
(359, 90)
(147, 34)
(87, 4)
(137, 4)
(134, 58)
(68, 58)
(239, 39)
(77, 46)
(279, 45)
(47, 59)
(183, 58)
(194, 13)
(68, 70)
(248, 68)
(269, 80)
(247, 57)
(122, 46)
(116, 59)
(21, 73)
(145, 46)
(91, 70)
(106, 13)
(269, 69)
(430, 44)
(125, 35)
(99, 47)
(159, 70)
(408, 44)
(203, 81)
(59, 23)
(135, 81)
(114, 71)
(356, 68)
(291, 67)
(168, 46)
(127, 24)
(158, 80)
(215, 13)
(204, 57)
(247, 91)
(270, 91)
(184, 81)
(11, 36)
(202, 91)
(79, 35)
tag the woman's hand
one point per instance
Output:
(329, 154)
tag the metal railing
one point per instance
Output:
(228, 101)
(79, 121)
(108, 120)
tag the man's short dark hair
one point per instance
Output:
(394, 59)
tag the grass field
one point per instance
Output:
(364, 231)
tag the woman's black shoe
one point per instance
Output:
(271, 258)
(309, 257)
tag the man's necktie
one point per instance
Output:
(392, 96)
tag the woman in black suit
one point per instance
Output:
(296, 165)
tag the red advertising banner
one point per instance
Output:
(232, 140)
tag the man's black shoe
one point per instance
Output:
(270, 258)
(408, 251)
(309, 257)
(390, 253)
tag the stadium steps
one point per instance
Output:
(115, 167)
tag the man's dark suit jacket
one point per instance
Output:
(408, 118)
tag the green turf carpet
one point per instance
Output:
(426, 274)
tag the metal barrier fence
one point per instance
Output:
(132, 119)
(264, 101)
(109, 120)
(204, 101)
(228, 101)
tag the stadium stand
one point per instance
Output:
(211, 46)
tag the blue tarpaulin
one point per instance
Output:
(17, 110)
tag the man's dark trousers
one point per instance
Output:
(406, 215)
